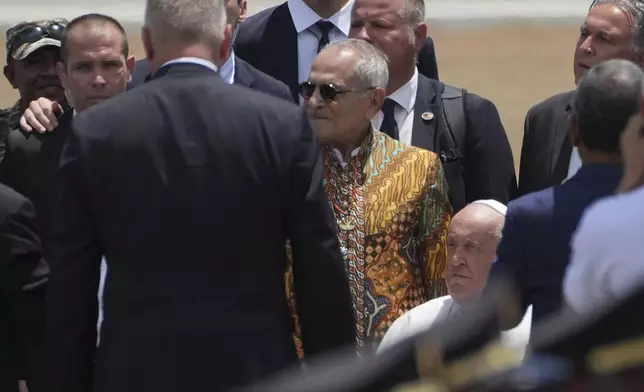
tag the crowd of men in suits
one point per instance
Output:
(264, 190)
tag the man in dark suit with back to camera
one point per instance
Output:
(284, 40)
(232, 69)
(192, 204)
(613, 29)
(535, 247)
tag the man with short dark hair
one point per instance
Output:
(33, 49)
(95, 65)
(535, 248)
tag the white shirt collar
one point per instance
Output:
(227, 71)
(192, 60)
(405, 96)
(304, 17)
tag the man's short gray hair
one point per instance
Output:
(186, 21)
(372, 69)
(414, 12)
(635, 9)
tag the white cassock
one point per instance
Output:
(423, 317)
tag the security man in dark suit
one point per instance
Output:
(283, 41)
(535, 247)
(23, 282)
(464, 129)
(33, 154)
(190, 187)
(607, 33)
(233, 70)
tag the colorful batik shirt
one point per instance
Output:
(392, 210)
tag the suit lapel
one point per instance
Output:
(561, 146)
(424, 130)
(281, 39)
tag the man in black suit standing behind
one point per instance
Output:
(283, 41)
(613, 29)
(190, 187)
(471, 141)
(232, 69)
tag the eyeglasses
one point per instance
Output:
(32, 34)
(328, 91)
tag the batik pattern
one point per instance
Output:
(395, 254)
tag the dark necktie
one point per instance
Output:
(389, 124)
(324, 27)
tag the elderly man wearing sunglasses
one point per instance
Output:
(389, 200)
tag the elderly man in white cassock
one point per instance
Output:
(474, 234)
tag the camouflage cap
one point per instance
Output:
(19, 46)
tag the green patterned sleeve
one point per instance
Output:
(435, 216)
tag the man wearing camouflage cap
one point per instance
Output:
(33, 49)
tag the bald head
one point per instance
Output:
(474, 234)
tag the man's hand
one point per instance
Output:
(40, 116)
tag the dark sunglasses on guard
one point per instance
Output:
(33, 34)
(328, 91)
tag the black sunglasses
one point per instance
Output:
(32, 34)
(328, 91)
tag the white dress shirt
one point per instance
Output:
(574, 165)
(607, 259)
(227, 71)
(192, 60)
(307, 41)
(405, 98)
(423, 317)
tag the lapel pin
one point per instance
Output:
(427, 116)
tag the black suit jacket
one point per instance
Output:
(192, 208)
(488, 165)
(268, 41)
(31, 167)
(546, 150)
(245, 75)
(23, 277)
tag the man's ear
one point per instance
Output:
(61, 70)
(224, 49)
(147, 43)
(130, 63)
(243, 6)
(10, 75)
(377, 99)
(420, 36)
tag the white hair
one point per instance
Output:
(186, 21)
(372, 69)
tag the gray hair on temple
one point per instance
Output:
(372, 69)
(186, 21)
(414, 11)
(635, 9)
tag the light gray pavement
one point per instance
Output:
(463, 13)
